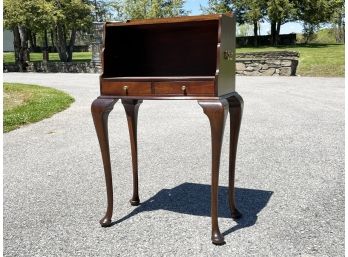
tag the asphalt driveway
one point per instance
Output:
(290, 175)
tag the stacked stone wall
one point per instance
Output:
(280, 63)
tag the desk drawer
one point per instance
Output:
(125, 88)
(182, 88)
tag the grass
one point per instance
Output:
(317, 60)
(24, 104)
(36, 57)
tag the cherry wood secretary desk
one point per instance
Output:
(184, 58)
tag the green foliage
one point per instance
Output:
(325, 36)
(246, 11)
(280, 10)
(146, 9)
(218, 6)
(73, 13)
(338, 20)
(34, 103)
(62, 17)
(101, 9)
(39, 14)
(309, 32)
(313, 12)
(310, 12)
(33, 14)
(322, 36)
(250, 11)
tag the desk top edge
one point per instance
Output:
(159, 78)
(169, 97)
(178, 19)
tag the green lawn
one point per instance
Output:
(78, 56)
(317, 60)
(24, 104)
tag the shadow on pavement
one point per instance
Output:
(194, 199)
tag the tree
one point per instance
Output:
(21, 17)
(62, 17)
(246, 11)
(252, 12)
(69, 16)
(102, 10)
(338, 19)
(309, 31)
(218, 6)
(279, 12)
(312, 13)
(145, 9)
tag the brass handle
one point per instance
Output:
(183, 88)
(125, 88)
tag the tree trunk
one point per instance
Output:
(52, 40)
(273, 32)
(45, 47)
(255, 33)
(16, 43)
(30, 39)
(344, 33)
(277, 33)
(23, 32)
(71, 44)
(340, 30)
(60, 43)
(34, 39)
(24, 51)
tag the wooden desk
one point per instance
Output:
(185, 58)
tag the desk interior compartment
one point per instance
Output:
(161, 50)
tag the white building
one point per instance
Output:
(8, 40)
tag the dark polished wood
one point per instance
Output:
(182, 58)
(217, 113)
(236, 104)
(126, 88)
(171, 50)
(170, 20)
(131, 107)
(100, 111)
(190, 88)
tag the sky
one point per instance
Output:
(291, 27)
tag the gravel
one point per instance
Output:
(290, 175)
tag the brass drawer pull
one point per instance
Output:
(183, 88)
(125, 88)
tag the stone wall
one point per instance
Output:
(266, 40)
(282, 63)
(69, 67)
(9, 67)
(279, 63)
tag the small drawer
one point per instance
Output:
(119, 88)
(185, 88)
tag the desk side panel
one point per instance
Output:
(226, 72)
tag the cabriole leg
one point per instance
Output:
(101, 107)
(216, 110)
(131, 107)
(236, 111)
